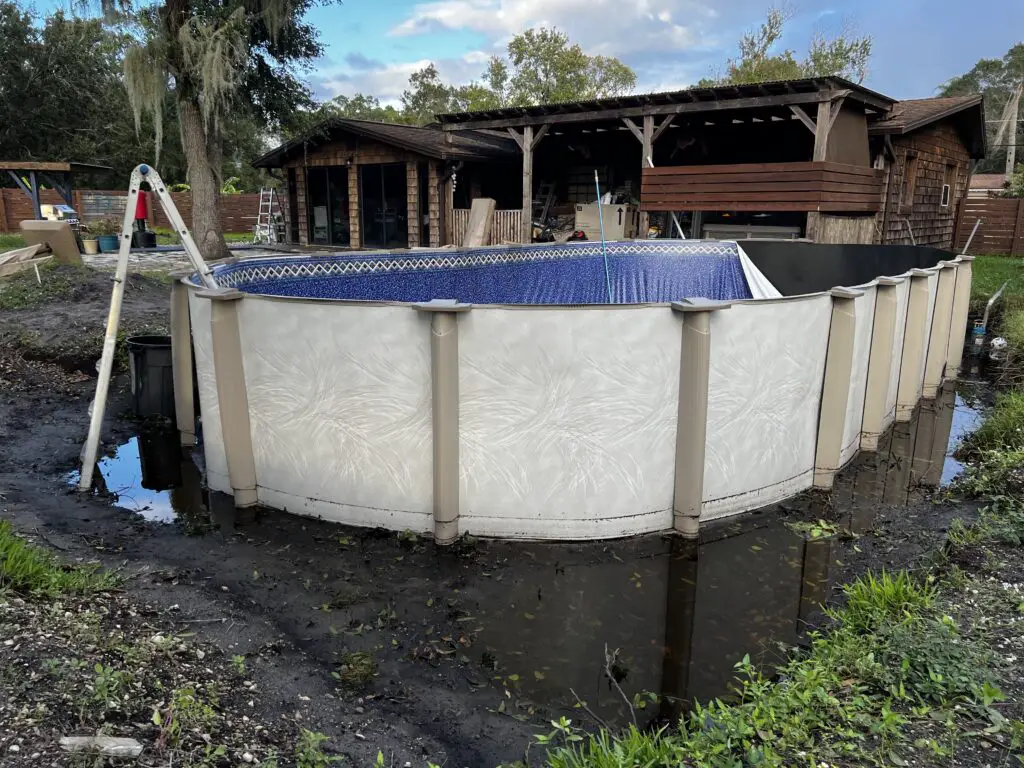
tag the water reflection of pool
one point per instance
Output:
(684, 613)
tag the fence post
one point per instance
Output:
(1017, 245)
(3, 210)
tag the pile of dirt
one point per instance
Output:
(60, 319)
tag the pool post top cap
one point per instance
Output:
(699, 305)
(442, 305)
(840, 292)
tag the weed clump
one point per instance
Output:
(30, 570)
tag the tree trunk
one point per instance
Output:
(203, 174)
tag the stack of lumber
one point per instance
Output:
(23, 258)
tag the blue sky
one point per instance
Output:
(373, 45)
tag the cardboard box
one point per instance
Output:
(621, 221)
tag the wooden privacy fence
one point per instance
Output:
(1002, 225)
(506, 227)
(237, 212)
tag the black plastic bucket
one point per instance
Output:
(152, 375)
(143, 239)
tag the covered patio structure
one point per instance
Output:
(789, 157)
(27, 176)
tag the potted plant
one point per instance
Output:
(107, 231)
(90, 244)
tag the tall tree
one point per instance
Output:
(845, 55)
(996, 80)
(217, 58)
(544, 67)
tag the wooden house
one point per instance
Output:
(819, 158)
(364, 184)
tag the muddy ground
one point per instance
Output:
(476, 646)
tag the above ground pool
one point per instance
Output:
(497, 391)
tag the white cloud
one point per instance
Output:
(611, 27)
(388, 81)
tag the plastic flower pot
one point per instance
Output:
(108, 243)
(91, 246)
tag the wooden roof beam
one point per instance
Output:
(633, 129)
(753, 102)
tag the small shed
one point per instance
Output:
(359, 183)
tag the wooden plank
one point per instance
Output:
(822, 126)
(768, 207)
(633, 129)
(481, 219)
(828, 197)
(662, 127)
(784, 186)
(803, 117)
(541, 133)
(31, 166)
(857, 170)
(752, 102)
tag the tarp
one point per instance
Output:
(640, 271)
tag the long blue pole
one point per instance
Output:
(604, 244)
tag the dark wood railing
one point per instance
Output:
(805, 186)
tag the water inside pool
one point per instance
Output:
(682, 612)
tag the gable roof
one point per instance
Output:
(913, 114)
(427, 141)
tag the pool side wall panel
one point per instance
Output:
(567, 415)
(767, 369)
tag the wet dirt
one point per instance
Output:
(477, 645)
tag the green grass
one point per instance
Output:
(31, 570)
(165, 236)
(1004, 427)
(8, 242)
(990, 272)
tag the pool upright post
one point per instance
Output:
(181, 360)
(938, 341)
(880, 362)
(692, 418)
(835, 391)
(444, 380)
(231, 395)
(958, 322)
(914, 339)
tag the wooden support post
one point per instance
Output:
(412, 194)
(354, 225)
(821, 126)
(434, 204)
(527, 146)
(646, 160)
(3, 210)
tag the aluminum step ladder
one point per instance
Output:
(542, 202)
(268, 224)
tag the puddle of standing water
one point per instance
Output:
(152, 476)
(681, 613)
